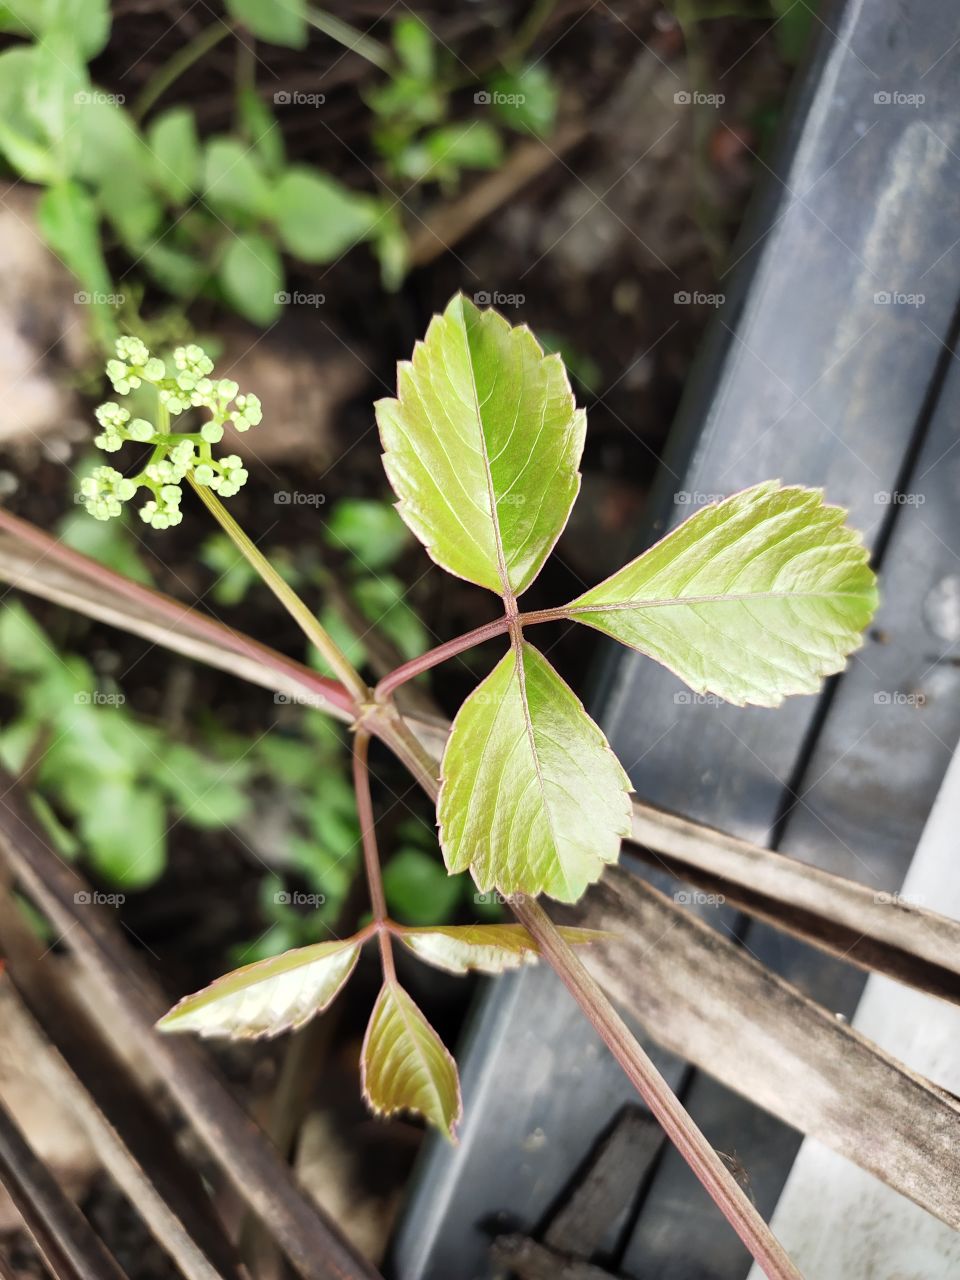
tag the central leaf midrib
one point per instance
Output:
(522, 682)
(488, 473)
(666, 601)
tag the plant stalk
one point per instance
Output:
(723, 1189)
(174, 67)
(301, 614)
(371, 855)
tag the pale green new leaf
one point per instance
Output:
(487, 948)
(532, 799)
(753, 598)
(482, 447)
(269, 997)
(405, 1065)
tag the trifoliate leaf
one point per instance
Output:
(405, 1066)
(532, 799)
(754, 598)
(269, 997)
(487, 948)
(482, 447)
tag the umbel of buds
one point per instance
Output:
(175, 454)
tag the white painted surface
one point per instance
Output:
(836, 1221)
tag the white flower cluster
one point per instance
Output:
(176, 454)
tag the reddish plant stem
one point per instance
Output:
(416, 666)
(459, 644)
(371, 856)
(723, 1189)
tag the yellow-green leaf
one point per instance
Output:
(532, 799)
(753, 598)
(487, 948)
(405, 1065)
(269, 997)
(482, 447)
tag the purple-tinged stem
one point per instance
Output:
(371, 855)
(680, 1128)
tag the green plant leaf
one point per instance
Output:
(85, 22)
(487, 948)
(369, 529)
(751, 599)
(318, 218)
(526, 100)
(261, 127)
(232, 181)
(268, 997)
(173, 140)
(276, 21)
(383, 602)
(415, 45)
(532, 799)
(123, 826)
(418, 888)
(251, 275)
(108, 541)
(405, 1065)
(482, 447)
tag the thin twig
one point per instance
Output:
(371, 856)
(723, 1188)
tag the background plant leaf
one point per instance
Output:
(532, 799)
(405, 1065)
(269, 997)
(482, 447)
(487, 948)
(276, 21)
(753, 598)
